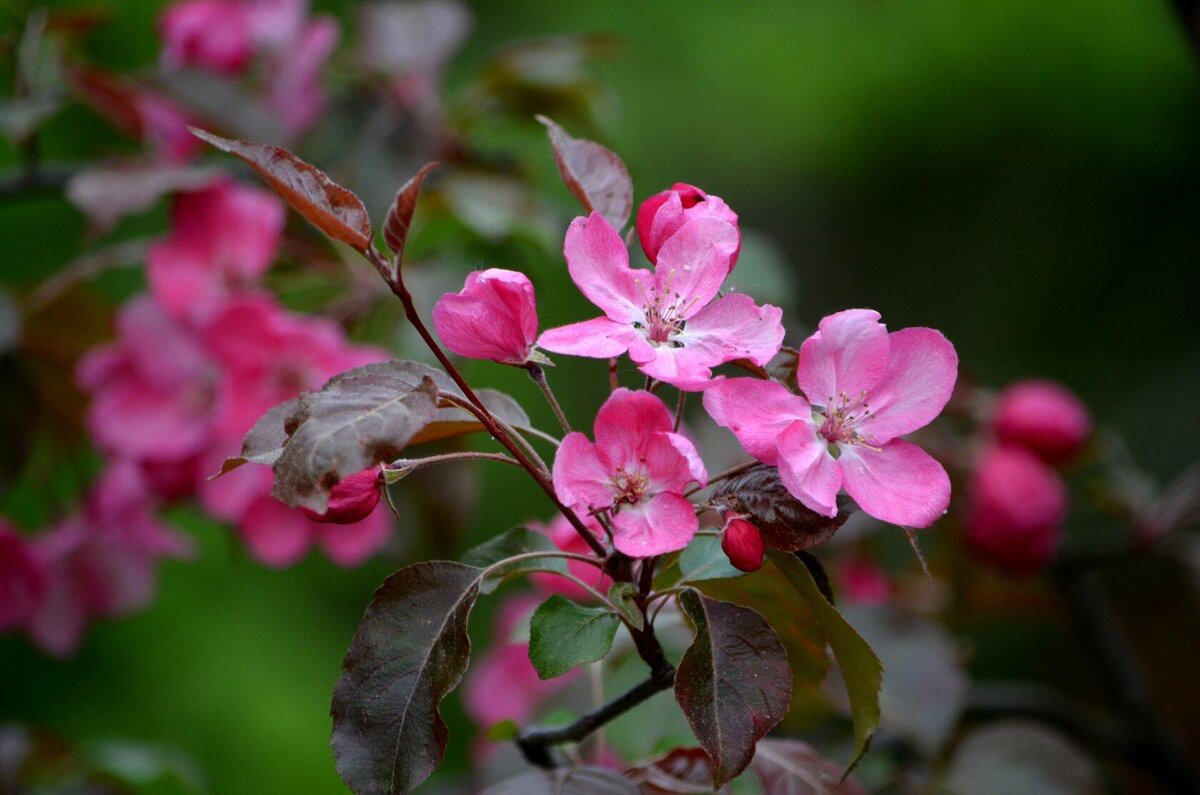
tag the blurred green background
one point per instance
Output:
(1021, 175)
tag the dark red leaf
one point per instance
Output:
(399, 218)
(565, 781)
(594, 173)
(683, 770)
(791, 767)
(733, 684)
(785, 523)
(263, 443)
(333, 209)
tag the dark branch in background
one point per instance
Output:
(1188, 13)
(35, 181)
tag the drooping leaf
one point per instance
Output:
(563, 635)
(513, 542)
(451, 421)
(594, 173)
(1020, 757)
(409, 652)
(682, 770)
(703, 559)
(263, 443)
(360, 418)
(623, 595)
(785, 523)
(565, 781)
(107, 193)
(399, 217)
(733, 682)
(792, 767)
(861, 669)
(333, 209)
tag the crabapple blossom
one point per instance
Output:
(864, 582)
(22, 579)
(664, 213)
(494, 317)
(863, 389)
(742, 544)
(281, 536)
(213, 35)
(565, 537)
(164, 126)
(1017, 506)
(671, 320)
(1044, 417)
(352, 500)
(637, 470)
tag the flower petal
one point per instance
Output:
(665, 523)
(580, 477)
(807, 469)
(758, 412)
(671, 463)
(693, 263)
(920, 376)
(599, 265)
(349, 545)
(598, 338)
(734, 327)
(626, 425)
(900, 483)
(493, 317)
(848, 353)
(275, 534)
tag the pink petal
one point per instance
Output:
(848, 354)
(671, 463)
(599, 265)
(665, 523)
(580, 478)
(807, 470)
(599, 338)
(900, 484)
(732, 327)
(625, 426)
(694, 262)
(493, 317)
(181, 278)
(920, 376)
(276, 534)
(696, 469)
(758, 412)
(350, 545)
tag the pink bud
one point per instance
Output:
(1043, 417)
(743, 544)
(1017, 506)
(208, 34)
(352, 500)
(664, 213)
(864, 582)
(493, 317)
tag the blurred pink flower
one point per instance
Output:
(493, 317)
(164, 126)
(1017, 506)
(743, 544)
(22, 579)
(1044, 417)
(865, 389)
(294, 86)
(281, 536)
(637, 469)
(864, 582)
(560, 531)
(214, 35)
(664, 213)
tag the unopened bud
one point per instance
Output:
(743, 544)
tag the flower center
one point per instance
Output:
(629, 487)
(664, 310)
(838, 419)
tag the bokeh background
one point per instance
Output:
(1021, 175)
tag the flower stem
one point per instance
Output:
(679, 409)
(539, 377)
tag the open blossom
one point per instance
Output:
(637, 469)
(1044, 417)
(1017, 507)
(671, 320)
(494, 317)
(214, 35)
(664, 213)
(863, 389)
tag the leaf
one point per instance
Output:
(792, 767)
(105, 194)
(516, 541)
(861, 669)
(595, 174)
(333, 209)
(733, 682)
(565, 781)
(410, 650)
(785, 523)
(451, 421)
(623, 595)
(563, 635)
(1019, 757)
(263, 443)
(399, 217)
(703, 559)
(360, 418)
(682, 770)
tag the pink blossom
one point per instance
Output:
(352, 500)
(493, 317)
(281, 536)
(664, 213)
(743, 544)
(637, 469)
(564, 536)
(1043, 417)
(214, 35)
(295, 92)
(164, 126)
(864, 582)
(22, 579)
(671, 321)
(865, 388)
(223, 237)
(1017, 506)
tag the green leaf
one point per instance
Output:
(623, 595)
(509, 544)
(861, 669)
(733, 682)
(563, 635)
(703, 559)
(410, 650)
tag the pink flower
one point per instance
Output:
(164, 126)
(493, 317)
(664, 213)
(223, 237)
(743, 544)
(864, 582)
(1043, 417)
(295, 92)
(670, 321)
(1017, 506)
(560, 531)
(281, 536)
(352, 500)
(22, 579)
(214, 35)
(865, 388)
(637, 470)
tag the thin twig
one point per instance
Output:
(539, 377)
(728, 473)
(613, 382)
(679, 409)
(402, 464)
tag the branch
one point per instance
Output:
(35, 181)
(539, 377)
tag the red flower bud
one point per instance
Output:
(743, 544)
(1017, 509)
(352, 500)
(1043, 417)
